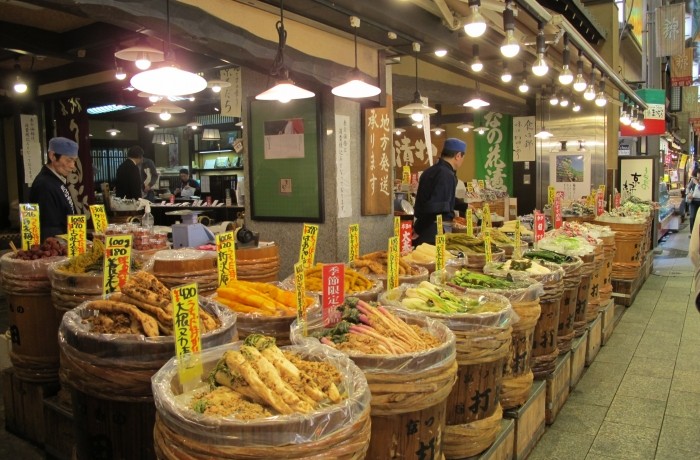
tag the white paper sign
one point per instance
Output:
(31, 148)
(231, 96)
(342, 165)
(524, 138)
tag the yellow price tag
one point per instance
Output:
(482, 186)
(29, 221)
(188, 336)
(551, 193)
(487, 247)
(406, 177)
(307, 251)
(353, 242)
(226, 257)
(392, 276)
(99, 217)
(517, 250)
(440, 252)
(397, 226)
(77, 234)
(438, 222)
(601, 189)
(300, 289)
(470, 223)
(117, 262)
(485, 217)
(470, 187)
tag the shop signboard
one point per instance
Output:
(654, 115)
(333, 281)
(377, 167)
(682, 68)
(494, 151)
(637, 178)
(623, 149)
(670, 29)
(524, 138)
(31, 148)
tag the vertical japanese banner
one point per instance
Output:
(377, 179)
(117, 262)
(29, 221)
(72, 122)
(300, 288)
(470, 222)
(353, 242)
(524, 138)
(397, 226)
(670, 29)
(188, 337)
(517, 249)
(556, 213)
(77, 235)
(600, 203)
(438, 223)
(307, 250)
(494, 151)
(392, 272)
(343, 184)
(486, 217)
(654, 115)
(440, 252)
(226, 258)
(540, 224)
(99, 217)
(487, 246)
(406, 236)
(333, 280)
(682, 69)
(231, 96)
(411, 150)
(31, 147)
(690, 100)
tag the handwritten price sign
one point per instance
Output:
(440, 229)
(517, 249)
(333, 280)
(117, 262)
(226, 258)
(188, 336)
(406, 176)
(29, 220)
(99, 217)
(551, 193)
(300, 288)
(307, 251)
(470, 223)
(556, 210)
(392, 277)
(487, 247)
(353, 242)
(540, 224)
(440, 252)
(397, 226)
(77, 234)
(486, 217)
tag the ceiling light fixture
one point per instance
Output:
(193, 125)
(601, 99)
(540, 66)
(543, 133)
(510, 47)
(168, 80)
(284, 90)
(465, 127)
(506, 76)
(119, 73)
(399, 131)
(566, 77)
(438, 131)
(164, 138)
(217, 85)
(142, 55)
(563, 101)
(553, 98)
(625, 118)
(211, 134)
(579, 82)
(523, 88)
(481, 130)
(151, 126)
(441, 52)
(576, 107)
(20, 85)
(477, 65)
(476, 102)
(113, 131)
(165, 109)
(356, 87)
(416, 109)
(476, 25)
(590, 92)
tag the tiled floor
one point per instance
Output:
(640, 399)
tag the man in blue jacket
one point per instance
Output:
(49, 189)
(436, 192)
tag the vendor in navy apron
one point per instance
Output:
(49, 188)
(436, 192)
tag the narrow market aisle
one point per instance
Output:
(640, 399)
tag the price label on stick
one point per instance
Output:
(300, 288)
(517, 250)
(600, 203)
(470, 187)
(188, 336)
(487, 246)
(406, 177)
(307, 250)
(481, 183)
(226, 257)
(77, 234)
(99, 217)
(470, 223)
(397, 226)
(540, 224)
(438, 222)
(333, 280)
(406, 237)
(440, 252)
(117, 262)
(392, 272)
(353, 242)
(551, 193)
(485, 217)
(29, 221)
(617, 199)
(556, 213)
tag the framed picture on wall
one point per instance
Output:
(637, 177)
(570, 173)
(286, 164)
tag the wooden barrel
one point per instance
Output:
(422, 275)
(544, 345)
(409, 393)
(339, 431)
(596, 284)
(33, 325)
(258, 264)
(584, 286)
(605, 290)
(174, 267)
(582, 219)
(629, 243)
(109, 378)
(68, 290)
(476, 262)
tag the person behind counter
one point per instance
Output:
(188, 187)
(128, 182)
(49, 189)
(436, 192)
(149, 176)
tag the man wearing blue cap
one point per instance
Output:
(49, 187)
(436, 192)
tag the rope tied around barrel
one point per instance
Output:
(516, 389)
(467, 440)
(483, 344)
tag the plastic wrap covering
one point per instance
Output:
(337, 431)
(68, 290)
(570, 246)
(174, 267)
(422, 275)
(599, 231)
(552, 274)
(18, 276)
(369, 295)
(523, 290)
(612, 219)
(120, 366)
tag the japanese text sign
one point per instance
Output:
(557, 213)
(524, 138)
(406, 236)
(188, 336)
(333, 277)
(551, 194)
(440, 252)
(77, 234)
(300, 287)
(470, 223)
(494, 151)
(226, 258)
(377, 162)
(617, 200)
(482, 186)
(307, 251)
(438, 222)
(540, 225)
(99, 217)
(485, 217)
(353, 242)
(29, 221)
(392, 272)
(397, 226)
(117, 262)
(517, 249)
(487, 247)
(406, 178)
(600, 203)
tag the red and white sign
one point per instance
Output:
(333, 292)
(557, 213)
(540, 224)
(405, 235)
(600, 203)
(617, 199)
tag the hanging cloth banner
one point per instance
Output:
(682, 68)
(670, 30)
(690, 99)
(494, 151)
(654, 115)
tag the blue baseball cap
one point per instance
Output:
(63, 146)
(455, 145)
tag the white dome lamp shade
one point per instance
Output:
(356, 87)
(540, 66)
(164, 109)
(475, 25)
(510, 46)
(416, 109)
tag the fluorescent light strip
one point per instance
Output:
(108, 108)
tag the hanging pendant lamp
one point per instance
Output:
(356, 87)
(416, 109)
(543, 134)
